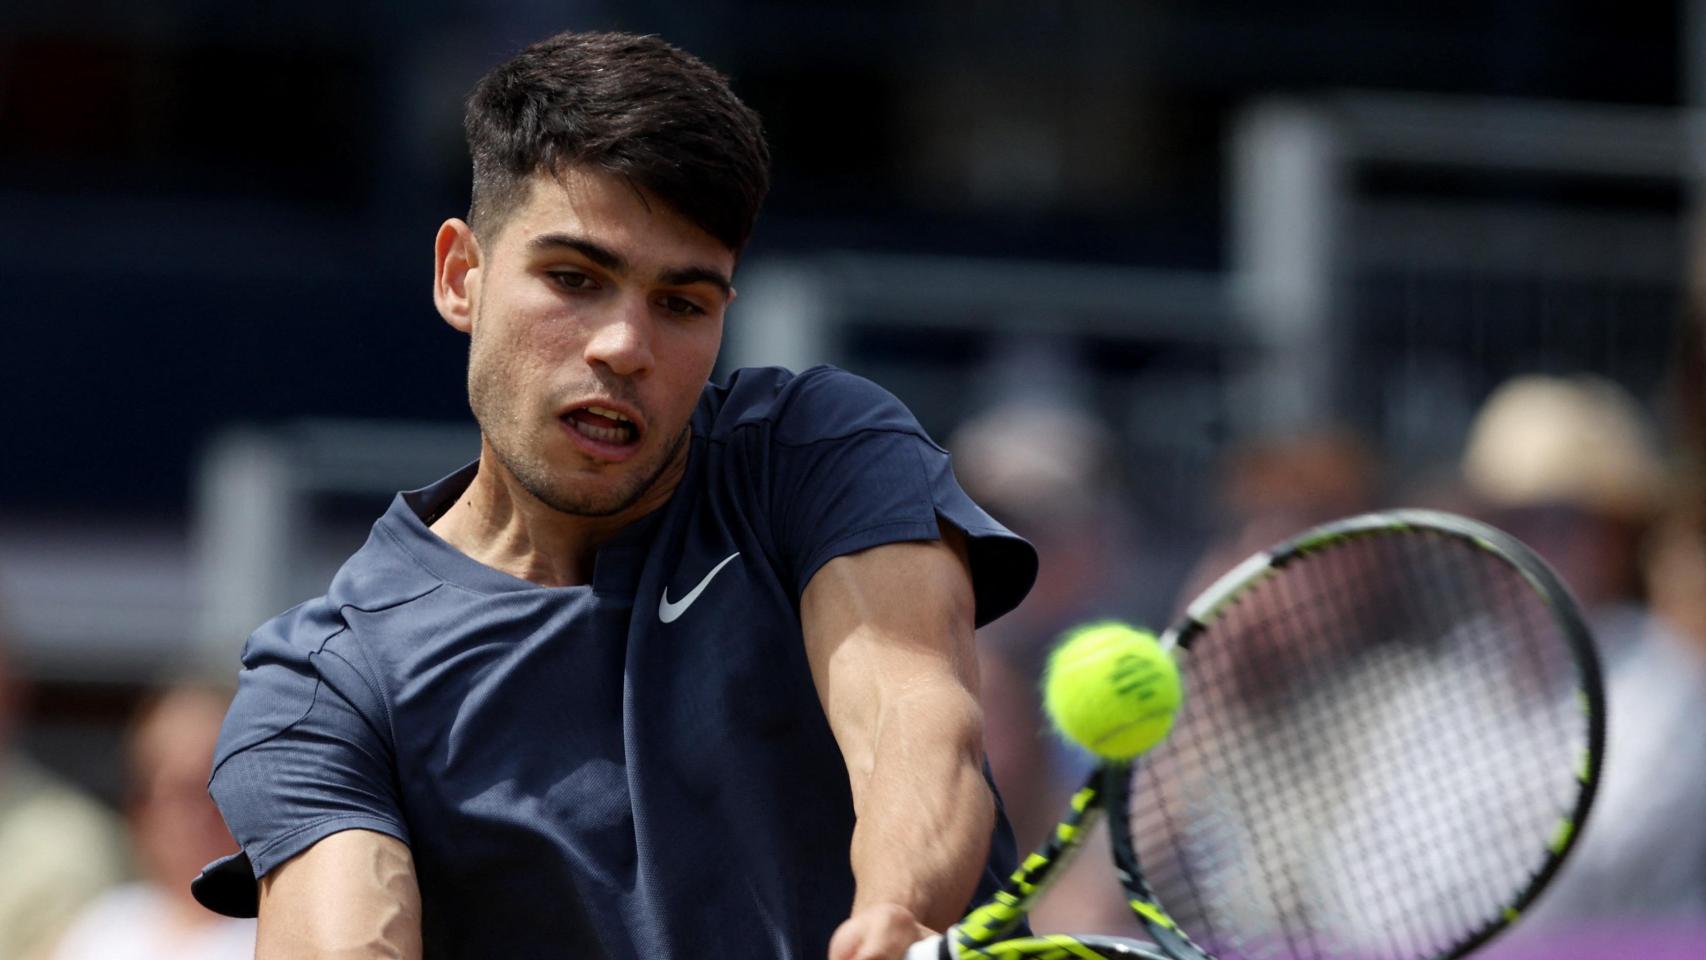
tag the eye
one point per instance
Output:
(681, 306)
(571, 279)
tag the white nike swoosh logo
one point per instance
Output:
(668, 612)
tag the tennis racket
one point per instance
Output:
(1392, 734)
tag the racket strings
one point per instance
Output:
(1371, 757)
(1335, 705)
(1421, 753)
(1346, 713)
(1322, 707)
(1490, 600)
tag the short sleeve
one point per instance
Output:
(854, 470)
(304, 753)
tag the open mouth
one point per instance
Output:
(603, 425)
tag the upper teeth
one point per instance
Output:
(607, 412)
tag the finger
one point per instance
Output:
(844, 945)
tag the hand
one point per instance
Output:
(881, 931)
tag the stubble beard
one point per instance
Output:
(506, 433)
(566, 496)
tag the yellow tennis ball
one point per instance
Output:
(1111, 689)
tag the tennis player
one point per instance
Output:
(673, 669)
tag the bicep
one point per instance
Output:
(351, 896)
(891, 627)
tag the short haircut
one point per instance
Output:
(632, 106)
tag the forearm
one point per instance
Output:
(924, 809)
(889, 632)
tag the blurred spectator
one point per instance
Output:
(1568, 466)
(1046, 470)
(1272, 488)
(175, 829)
(58, 847)
(1676, 554)
(1269, 488)
(1676, 573)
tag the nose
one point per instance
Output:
(622, 342)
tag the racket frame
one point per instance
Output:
(1108, 788)
(1206, 608)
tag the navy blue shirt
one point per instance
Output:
(636, 767)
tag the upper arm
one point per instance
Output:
(849, 469)
(891, 627)
(895, 567)
(350, 896)
(304, 755)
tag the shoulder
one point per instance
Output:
(820, 403)
(387, 573)
(332, 641)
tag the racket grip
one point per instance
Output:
(931, 948)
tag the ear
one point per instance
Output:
(456, 274)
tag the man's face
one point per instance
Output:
(596, 314)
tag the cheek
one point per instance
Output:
(701, 343)
(691, 356)
(519, 344)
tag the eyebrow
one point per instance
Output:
(616, 263)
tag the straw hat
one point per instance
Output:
(1580, 441)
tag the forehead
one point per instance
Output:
(613, 212)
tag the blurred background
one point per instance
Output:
(1172, 279)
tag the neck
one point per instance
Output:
(501, 524)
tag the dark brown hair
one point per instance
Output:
(628, 105)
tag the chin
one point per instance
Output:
(586, 496)
(570, 481)
(598, 495)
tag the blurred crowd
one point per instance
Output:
(79, 882)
